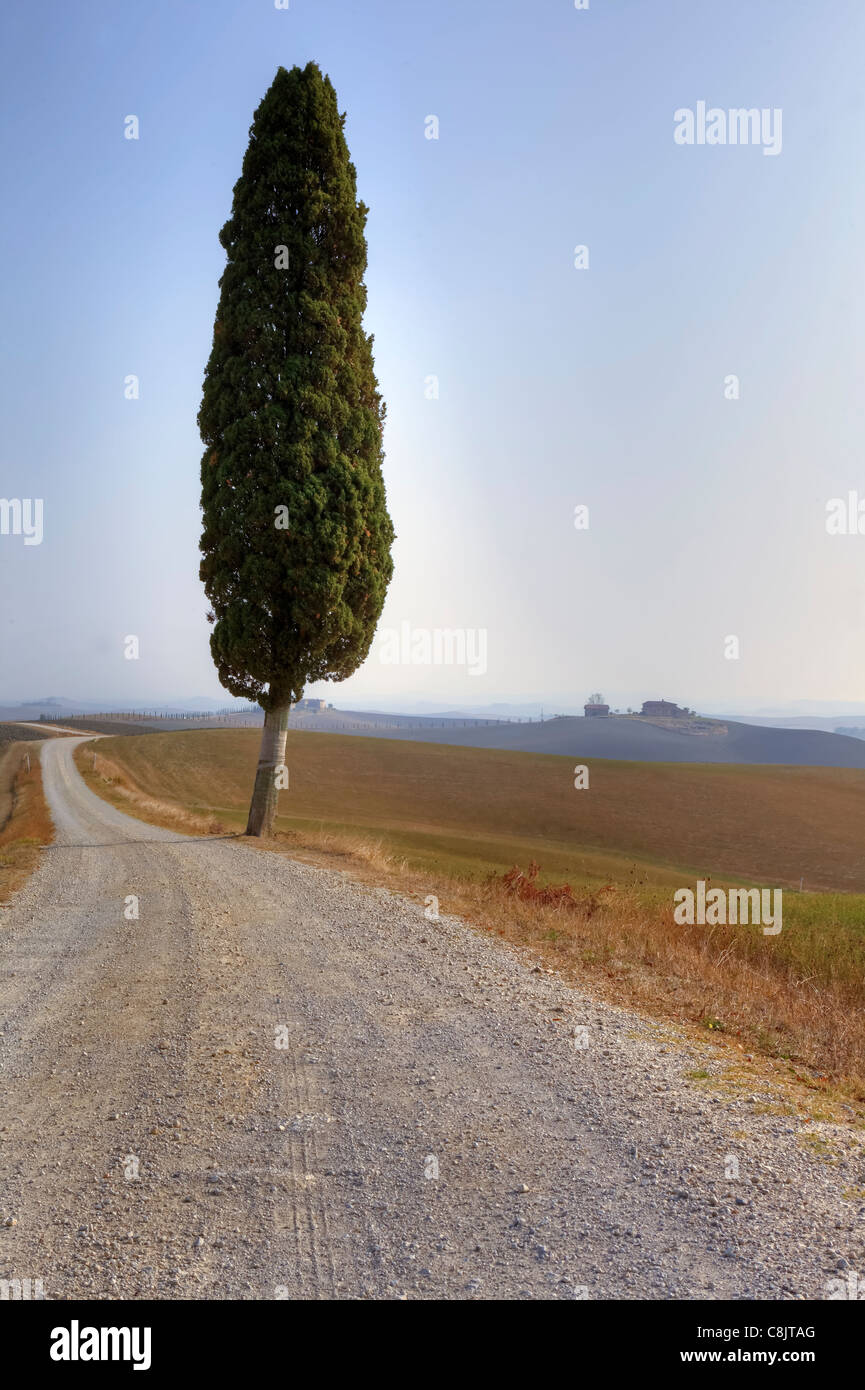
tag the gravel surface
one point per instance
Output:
(276, 1083)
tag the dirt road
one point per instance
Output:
(274, 1083)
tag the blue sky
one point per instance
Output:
(557, 386)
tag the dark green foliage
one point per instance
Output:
(291, 415)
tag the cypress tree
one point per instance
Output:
(296, 534)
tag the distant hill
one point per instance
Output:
(618, 737)
(53, 707)
(631, 739)
(829, 723)
(57, 706)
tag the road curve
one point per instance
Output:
(275, 1083)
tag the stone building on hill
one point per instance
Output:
(595, 706)
(664, 709)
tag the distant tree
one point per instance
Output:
(296, 534)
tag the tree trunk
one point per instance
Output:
(271, 758)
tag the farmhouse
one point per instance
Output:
(663, 708)
(316, 706)
(593, 710)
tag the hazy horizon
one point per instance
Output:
(419, 703)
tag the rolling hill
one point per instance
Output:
(631, 739)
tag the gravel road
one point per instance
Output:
(276, 1083)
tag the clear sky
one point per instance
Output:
(558, 386)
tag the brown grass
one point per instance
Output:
(25, 824)
(109, 780)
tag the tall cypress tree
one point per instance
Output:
(296, 535)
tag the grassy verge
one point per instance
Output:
(441, 822)
(25, 824)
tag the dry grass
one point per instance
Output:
(25, 823)
(113, 783)
(729, 980)
(798, 998)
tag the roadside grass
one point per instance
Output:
(25, 823)
(449, 822)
